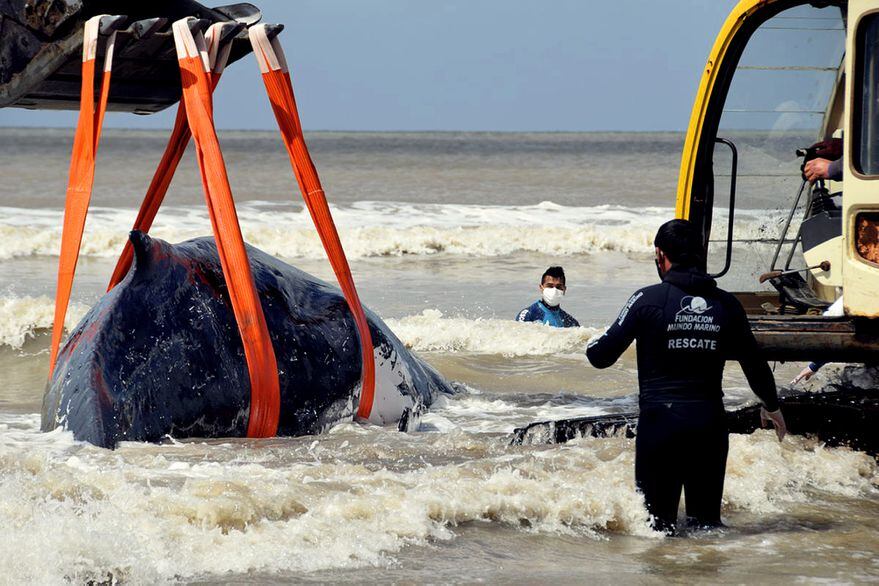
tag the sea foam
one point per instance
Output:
(354, 498)
(370, 229)
(23, 318)
(430, 331)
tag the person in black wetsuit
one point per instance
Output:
(686, 328)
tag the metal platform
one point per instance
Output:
(41, 50)
(806, 337)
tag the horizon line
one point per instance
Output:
(364, 131)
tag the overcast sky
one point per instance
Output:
(506, 65)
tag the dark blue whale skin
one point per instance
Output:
(160, 355)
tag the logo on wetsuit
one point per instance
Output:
(695, 319)
(625, 311)
(697, 305)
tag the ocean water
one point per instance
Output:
(447, 234)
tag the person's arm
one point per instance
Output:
(834, 170)
(836, 309)
(604, 351)
(756, 369)
(570, 321)
(816, 169)
(823, 169)
(747, 352)
(807, 372)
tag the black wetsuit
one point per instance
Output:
(686, 328)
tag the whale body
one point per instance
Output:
(160, 355)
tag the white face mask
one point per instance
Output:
(552, 296)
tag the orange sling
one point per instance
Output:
(199, 75)
(262, 366)
(82, 172)
(276, 77)
(180, 135)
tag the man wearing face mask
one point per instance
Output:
(546, 310)
(686, 328)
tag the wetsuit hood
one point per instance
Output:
(690, 279)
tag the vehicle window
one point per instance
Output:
(866, 159)
(778, 100)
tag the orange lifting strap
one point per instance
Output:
(82, 172)
(265, 397)
(218, 55)
(201, 65)
(276, 76)
(197, 84)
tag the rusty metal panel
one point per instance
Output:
(867, 236)
(41, 45)
(18, 46)
(806, 338)
(43, 17)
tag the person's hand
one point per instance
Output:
(804, 375)
(816, 169)
(776, 418)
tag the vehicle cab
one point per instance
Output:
(782, 75)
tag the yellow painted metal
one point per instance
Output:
(860, 279)
(860, 193)
(743, 10)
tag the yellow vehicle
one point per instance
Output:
(782, 75)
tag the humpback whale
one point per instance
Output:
(160, 354)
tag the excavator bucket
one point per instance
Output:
(41, 50)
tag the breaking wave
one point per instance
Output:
(23, 318)
(353, 498)
(432, 332)
(370, 229)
